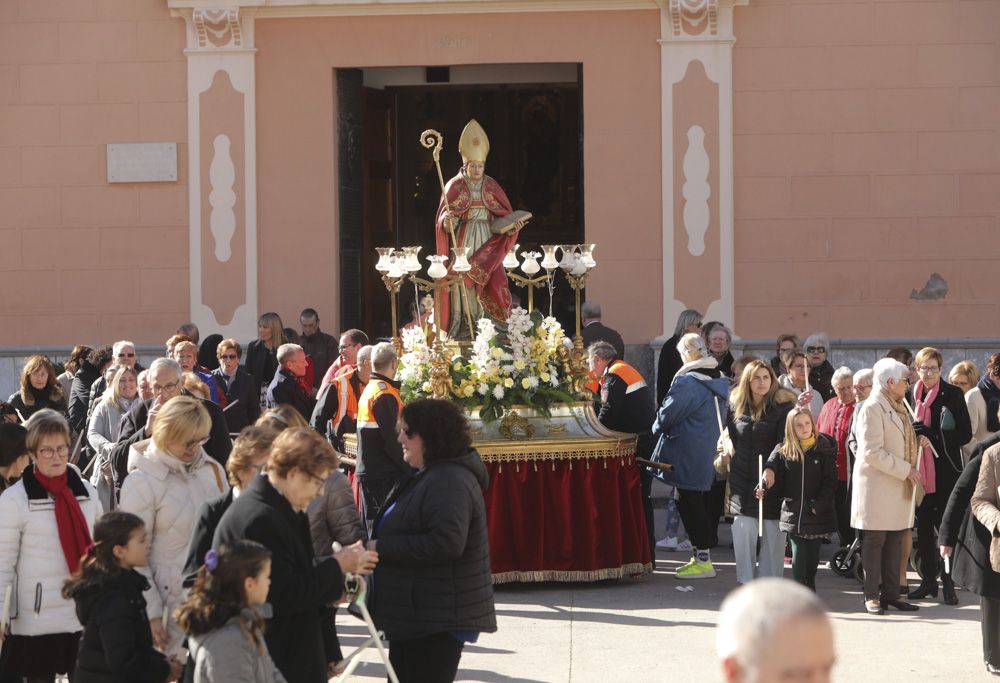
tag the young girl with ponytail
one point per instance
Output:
(802, 471)
(224, 617)
(117, 644)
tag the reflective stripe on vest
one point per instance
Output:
(373, 391)
(633, 380)
(347, 402)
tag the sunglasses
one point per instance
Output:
(816, 349)
(126, 355)
(229, 356)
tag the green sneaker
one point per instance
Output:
(696, 570)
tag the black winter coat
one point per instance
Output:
(57, 404)
(970, 561)
(300, 634)
(209, 514)
(134, 427)
(949, 405)
(242, 399)
(667, 366)
(286, 390)
(117, 645)
(806, 488)
(821, 379)
(433, 574)
(751, 439)
(79, 396)
(261, 362)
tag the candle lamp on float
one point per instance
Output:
(530, 268)
(390, 265)
(576, 264)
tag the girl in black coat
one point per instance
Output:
(802, 471)
(433, 590)
(117, 644)
(944, 422)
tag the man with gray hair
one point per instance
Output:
(774, 630)
(380, 456)
(336, 411)
(287, 386)
(593, 330)
(166, 382)
(835, 421)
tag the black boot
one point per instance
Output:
(923, 590)
(948, 587)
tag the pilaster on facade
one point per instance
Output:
(222, 197)
(697, 149)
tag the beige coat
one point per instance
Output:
(977, 418)
(882, 499)
(986, 501)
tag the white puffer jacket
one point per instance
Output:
(166, 493)
(31, 557)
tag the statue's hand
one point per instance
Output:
(448, 222)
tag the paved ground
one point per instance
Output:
(646, 630)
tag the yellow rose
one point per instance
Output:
(469, 391)
(497, 353)
(426, 387)
(519, 365)
(525, 384)
(508, 382)
(544, 376)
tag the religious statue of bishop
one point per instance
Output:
(476, 210)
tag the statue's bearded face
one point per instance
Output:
(475, 170)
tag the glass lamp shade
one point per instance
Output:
(384, 259)
(510, 260)
(461, 263)
(411, 260)
(568, 257)
(530, 265)
(396, 264)
(578, 267)
(437, 269)
(550, 262)
(587, 255)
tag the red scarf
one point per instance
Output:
(923, 411)
(74, 535)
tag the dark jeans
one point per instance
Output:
(714, 502)
(928, 519)
(692, 506)
(842, 508)
(429, 659)
(805, 559)
(989, 613)
(880, 557)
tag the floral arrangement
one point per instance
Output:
(530, 369)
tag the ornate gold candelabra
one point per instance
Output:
(390, 266)
(529, 267)
(576, 263)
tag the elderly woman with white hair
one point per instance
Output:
(887, 484)
(718, 340)
(817, 348)
(835, 420)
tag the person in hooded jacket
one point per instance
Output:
(688, 424)
(433, 590)
(758, 407)
(91, 369)
(117, 644)
(802, 471)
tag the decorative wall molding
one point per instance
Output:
(326, 8)
(694, 17)
(698, 31)
(218, 27)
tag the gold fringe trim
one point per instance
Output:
(635, 569)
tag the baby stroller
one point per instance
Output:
(846, 561)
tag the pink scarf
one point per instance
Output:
(923, 410)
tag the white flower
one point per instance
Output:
(533, 381)
(483, 389)
(498, 392)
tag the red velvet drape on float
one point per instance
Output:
(566, 521)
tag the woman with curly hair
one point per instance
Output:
(433, 586)
(39, 389)
(72, 363)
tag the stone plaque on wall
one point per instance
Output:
(142, 162)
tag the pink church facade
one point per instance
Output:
(779, 165)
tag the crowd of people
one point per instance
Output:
(795, 452)
(192, 520)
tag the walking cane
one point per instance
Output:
(760, 501)
(431, 139)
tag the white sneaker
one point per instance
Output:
(685, 546)
(667, 543)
